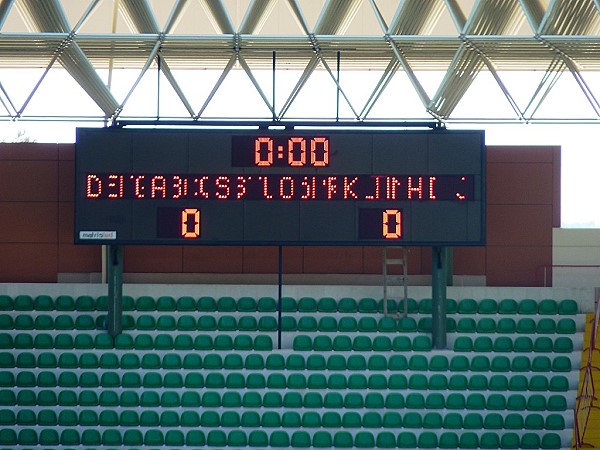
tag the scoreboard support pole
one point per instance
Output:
(438, 295)
(115, 290)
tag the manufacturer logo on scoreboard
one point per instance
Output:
(100, 235)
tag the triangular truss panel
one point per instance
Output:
(251, 43)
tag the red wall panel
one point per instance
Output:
(36, 181)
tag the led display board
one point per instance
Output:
(280, 187)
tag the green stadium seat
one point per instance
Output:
(407, 325)
(554, 422)
(151, 361)
(425, 306)
(246, 304)
(321, 439)
(48, 437)
(367, 305)
(364, 439)
(67, 418)
(310, 419)
(267, 323)
(191, 399)
(523, 344)
(154, 437)
(385, 439)
(367, 324)
(275, 361)
(496, 402)
(258, 438)
(478, 383)
(556, 403)
(307, 323)
(566, 326)
(166, 303)
(528, 306)
(568, 307)
(46, 322)
(508, 306)
(506, 325)
(548, 307)
(266, 304)
(347, 324)
(486, 325)
(203, 342)
(189, 419)
(480, 363)
(229, 419)
(196, 438)
(466, 325)
(463, 344)
(483, 344)
(500, 364)
(166, 323)
(6, 303)
(563, 345)
(227, 323)
(421, 344)
(6, 322)
(23, 303)
(288, 304)
(543, 345)
(85, 303)
(129, 399)
(7, 341)
(186, 304)
(412, 420)
(187, 323)
(458, 382)
(467, 306)
(307, 305)
(64, 303)
(561, 364)
(476, 402)
(183, 342)
(327, 305)
(428, 439)
(498, 383)
(280, 439)
(487, 306)
(207, 304)
(145, 303)
(362, 343)
(352, 419)
(407, 439)
(241, 342)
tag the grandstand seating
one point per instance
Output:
(207, 373)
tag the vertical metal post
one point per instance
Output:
(274, 80)
(115, 290)
(438, 296)
(279, 298)
(449, 266)
(337, 98)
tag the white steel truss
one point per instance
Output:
(83, 37)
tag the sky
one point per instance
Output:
(59, 95)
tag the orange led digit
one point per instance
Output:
(297, 145)
(322, 145)
(263, 154)
(392, 224)
(190, 223)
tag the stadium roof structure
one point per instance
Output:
(460, 39)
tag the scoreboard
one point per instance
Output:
(279, 187)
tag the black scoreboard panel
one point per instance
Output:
(279, 187)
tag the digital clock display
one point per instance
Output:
(331, 187)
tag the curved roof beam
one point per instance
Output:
(218, 16)
(336, 16)
(256, 15)
(49, 16)
(5, 6)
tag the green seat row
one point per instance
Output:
(143, 322)
(124, 341)
(238, 398)
(277, 361)
(382, 343)
(524, 325)
(289, 304)
(143, 303)
(275, 419)
(277, 439)
(275, 380)
(523, 344)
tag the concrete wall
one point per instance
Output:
(576, 257)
